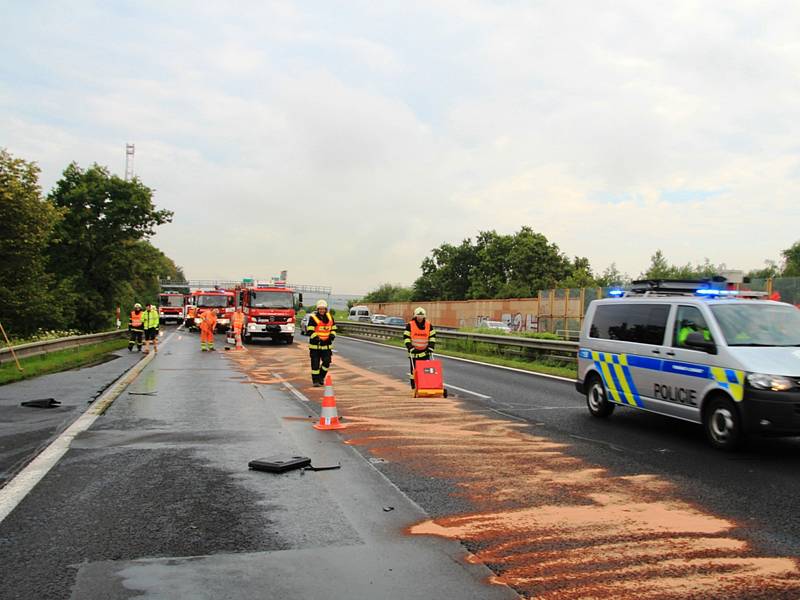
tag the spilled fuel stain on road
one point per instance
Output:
(548, 524)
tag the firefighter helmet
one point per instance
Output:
(419, 312)
(322, 303)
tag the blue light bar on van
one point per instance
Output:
(616, 293)
(712, 292)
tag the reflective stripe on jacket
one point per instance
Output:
(420, 337)
(136, 319)
(237, 320)
(322, 330)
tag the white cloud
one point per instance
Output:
(345, 143)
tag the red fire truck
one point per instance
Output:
(269, 311)
(220, 301)
(170, 307)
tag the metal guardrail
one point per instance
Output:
(568, 349)
(74, 341)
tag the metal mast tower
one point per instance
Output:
(129, 150)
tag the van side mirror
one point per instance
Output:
(696, 341)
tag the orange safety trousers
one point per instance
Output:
(206, 333)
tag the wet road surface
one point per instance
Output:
(24, 430)
(565, 506)
(155, 500)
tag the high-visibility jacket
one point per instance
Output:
(137, 318)
(209, 318)
(237, 320)
(150, 318)
(684, 332)
(322, 331)
(419, 337)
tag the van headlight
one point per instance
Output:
(776, 383)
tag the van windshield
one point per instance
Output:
(758, 324)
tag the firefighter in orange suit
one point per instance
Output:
(420, 339)
(322, 330)
(237, 323)
(136, 328)
(207, 326)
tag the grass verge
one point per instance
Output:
(61, 360)
(534, 366)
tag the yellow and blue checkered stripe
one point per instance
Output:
(730, 380)
(616, 374)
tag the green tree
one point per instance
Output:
(581, 275)
(612, 276)
(492, 270)
(446, 275)
(496, 266)
(659, 267)
(388, 292)
(30, 299)
(791, 257)
(769, 270)
(95, 246)
(535, 264)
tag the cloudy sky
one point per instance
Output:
(344, 140)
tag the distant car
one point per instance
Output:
(359, 313)
(378, 319)
(498, 325)
(395, 321)
(304, 324)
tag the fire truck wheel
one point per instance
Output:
(289, 339)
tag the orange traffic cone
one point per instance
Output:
(329, 418)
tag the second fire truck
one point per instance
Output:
(269, 311)
(220, 301)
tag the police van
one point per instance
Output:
(688, 350)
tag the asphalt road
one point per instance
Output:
(24, 430)
(155, 500)
(757, 487)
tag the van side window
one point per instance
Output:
(352, 312)
(688, 320)
(640, 323)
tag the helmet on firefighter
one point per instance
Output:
(419, 312)
(321, 303)
(137, 306)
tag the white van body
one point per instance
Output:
(359, 313)
(737, 372)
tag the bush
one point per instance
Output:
(528, 334)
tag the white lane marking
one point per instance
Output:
(24, 481)
(474, 362)
(505, 414)
(290, 387)
(603, 443)
(295, 391)
(453, 387)
(550, 408)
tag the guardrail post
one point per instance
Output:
(11, 348)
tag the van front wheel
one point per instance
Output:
(596, 400)
(723, 424)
